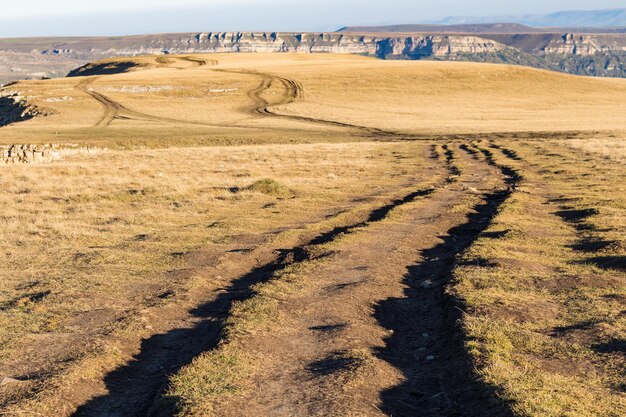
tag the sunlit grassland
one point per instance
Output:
(89, 239)
(545, 287)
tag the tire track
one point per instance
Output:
(115, 110)
(200, 62)
(293, 92)
(165, 62)
(136, 387)
(317, 366)
(111, 110)
(427, 342)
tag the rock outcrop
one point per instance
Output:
(602, 55)
(438, 46)
(382, 47)
(15, 108)
(29, 153)
(573, 44)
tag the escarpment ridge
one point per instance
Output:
(582, 54)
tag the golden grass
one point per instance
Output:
(199, 388)
(88, 240)
(544, 313)
(444, 97)
(180, 103)
(609, 148)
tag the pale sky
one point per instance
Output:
(33, 8)
(119, 17)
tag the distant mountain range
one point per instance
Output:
(570, 18)
(481, 28)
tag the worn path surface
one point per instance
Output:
(194, 325)
(292, 91)
(373, 332)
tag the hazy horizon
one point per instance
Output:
(117, 17)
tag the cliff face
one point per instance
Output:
(438, 46)
(596, 55)
(585, 45)
(286, 42)
(590, 54)
(413, 47)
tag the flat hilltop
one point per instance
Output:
(213, 98)
(266, 234)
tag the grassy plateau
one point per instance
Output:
(323, 235)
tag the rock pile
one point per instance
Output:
(29, 153)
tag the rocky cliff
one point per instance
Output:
(222, 42)
(15, 108)
(591, 54)
(587, 54)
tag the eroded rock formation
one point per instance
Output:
(29, 153)
(15, 108)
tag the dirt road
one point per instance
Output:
(291, 91)
(188, 328)
(374, 332)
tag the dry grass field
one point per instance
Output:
(217, 99)
(280, 235)
(611, 148)
(545, 285)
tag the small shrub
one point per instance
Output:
(270, 187)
